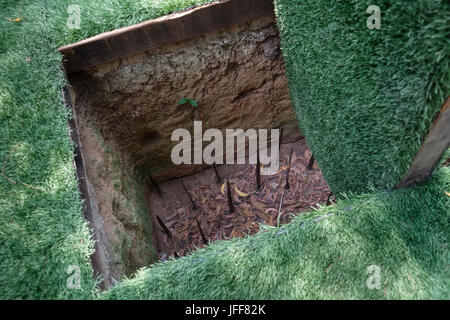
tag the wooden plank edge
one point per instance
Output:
(430, 152)
(182, 26)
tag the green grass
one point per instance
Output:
(365, 98)
(42, 232)
(404, 232)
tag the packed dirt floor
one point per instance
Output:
(176, 221)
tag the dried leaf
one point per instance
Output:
(247, 213)
(256, 203)
(296, 205)
(222, 188)
(246, 205)
(240, 193)
(307, 155)
(183, 228)
(218, 209)
(16, 19)
(234, 234)
(251, 209)
(271, 209)
(294, 157)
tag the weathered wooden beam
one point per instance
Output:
(182, 26)
(431, 150)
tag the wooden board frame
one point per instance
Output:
(182, 26)
(430, 153)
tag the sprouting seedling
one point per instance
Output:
(192, 102)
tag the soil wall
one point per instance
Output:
(236, 75)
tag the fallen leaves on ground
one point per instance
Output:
(253, 207)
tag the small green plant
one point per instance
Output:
(192, 102)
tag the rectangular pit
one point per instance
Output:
(125, 110)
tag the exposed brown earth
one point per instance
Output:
(237, 76)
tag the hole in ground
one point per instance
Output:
(125, 112)
(175, 219)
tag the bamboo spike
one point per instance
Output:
(279, 209)
(217, 173)
(163, 226)
(194, 207)
(311, 162)
(155, 185)
(258, 171)
(202, 234)
(230, 200)
(280, 138)
(288, 170)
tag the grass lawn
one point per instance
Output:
(42, 231)
(365, 98)
(322, 255)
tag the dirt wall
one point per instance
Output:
(236, 75)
